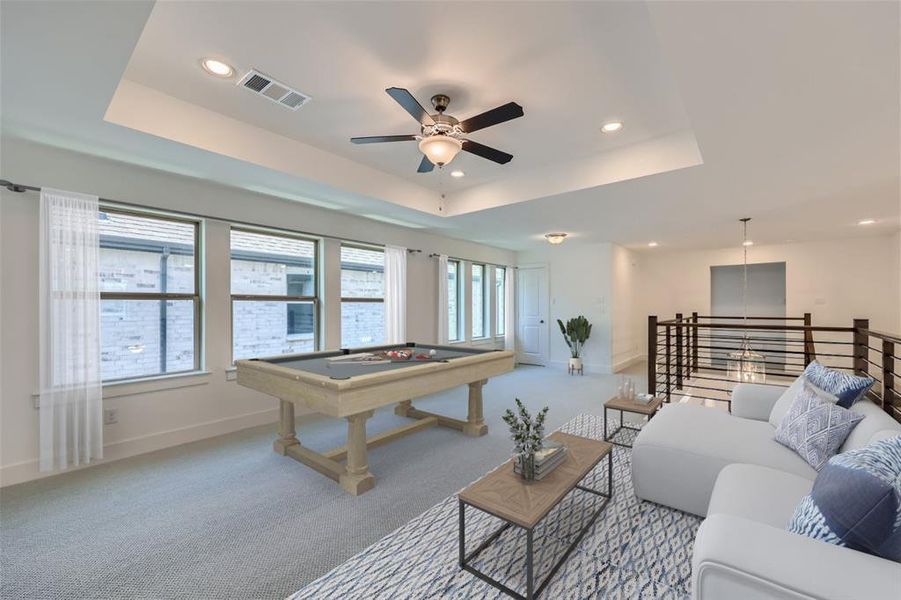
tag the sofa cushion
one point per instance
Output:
(815, 428)
(679, 453)
(849, 388)
(877, 424)
(856, 501)
(761, 494)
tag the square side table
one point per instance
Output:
(633, 406)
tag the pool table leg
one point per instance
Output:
(357, 479)
(287, 436)
(403, 408)
(475, 420)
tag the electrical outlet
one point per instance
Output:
(110, 416)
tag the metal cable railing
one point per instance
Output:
(691, 354)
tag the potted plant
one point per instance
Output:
(575, 333)
(528, 436)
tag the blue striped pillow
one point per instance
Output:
(856, 501)
(848, 388)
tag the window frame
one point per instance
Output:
(500, 327)
(457, 291)
(484, 304)
(344, 298)
(314, 299)
(196, 297)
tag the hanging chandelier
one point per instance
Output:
(745, 365)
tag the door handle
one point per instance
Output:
(541, 321)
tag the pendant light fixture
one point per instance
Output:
(745, 365)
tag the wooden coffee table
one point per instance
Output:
(633, 406)
(507, 496)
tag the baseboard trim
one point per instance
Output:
(29, 470)
(628, 362)
(601, 368)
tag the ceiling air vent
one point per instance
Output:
(276, 91)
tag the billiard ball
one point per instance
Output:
(433, 352)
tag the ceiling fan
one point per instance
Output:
(441, 136)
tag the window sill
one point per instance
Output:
(145, 385)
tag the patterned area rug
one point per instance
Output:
(634, 550)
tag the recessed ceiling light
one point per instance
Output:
(217, 67)
(747, 243)
(866, 221)
(555, 238)
(457, 173)
(612, 126)
(653, 244)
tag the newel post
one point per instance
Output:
(810, 353)
(861, 326)
(694, 343)
(679, 348)
(888, 376)
(652, 354)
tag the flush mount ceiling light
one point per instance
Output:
(747, 243)
(653, 244)
(612, 126)
(555, 238)
(866, 221)
(440, 149)
(457, 174)
(217, 68)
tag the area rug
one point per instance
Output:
(634, 550)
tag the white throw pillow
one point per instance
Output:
(780, 409)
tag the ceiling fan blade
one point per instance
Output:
(507, 112)
(487, 152)
(375, 139)
(411, 105)
(425, 166)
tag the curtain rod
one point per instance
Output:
(469, 260)
(19, 188)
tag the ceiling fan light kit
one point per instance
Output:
(440, 149)
(440, 135)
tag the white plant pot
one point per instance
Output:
(575, 364)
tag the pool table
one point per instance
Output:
(335, 385)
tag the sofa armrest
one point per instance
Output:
(739, 558)
(755, 400)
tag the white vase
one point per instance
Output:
(575, 364)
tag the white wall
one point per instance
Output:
(836, 281)
(627, 340)
(162, 413)
(579, 283)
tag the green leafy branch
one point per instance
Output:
(527, 433)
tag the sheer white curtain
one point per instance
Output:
(509, 309)
(395, 295)
(442, 299)
(71, 404)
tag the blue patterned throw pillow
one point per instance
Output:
(815, 428)
(849, 388)
(856, 501)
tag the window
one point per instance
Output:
(453, 298)
(478, 301)
(274, 294)
(149, 295)
(500, 274)
(362, 296)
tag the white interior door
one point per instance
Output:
(532, 315)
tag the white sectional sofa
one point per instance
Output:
(730, 469)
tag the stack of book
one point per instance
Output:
(546, 460)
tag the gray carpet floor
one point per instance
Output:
(228, 518)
